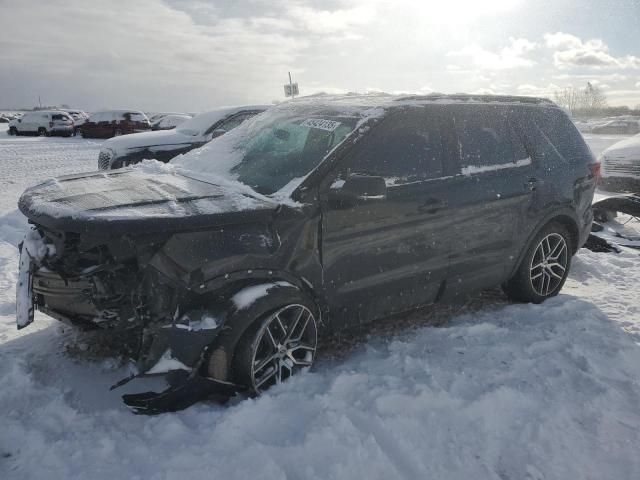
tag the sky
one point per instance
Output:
(193, 55)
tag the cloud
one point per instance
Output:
(590, 77)
(571, 51)
(513, 55)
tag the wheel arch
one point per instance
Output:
(566, 219)
(238, 319)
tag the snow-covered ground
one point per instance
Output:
(483, 391)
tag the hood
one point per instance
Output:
(138, 201)
(629, 148)
(121, 144)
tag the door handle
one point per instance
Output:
(532, 184)
(432, 205)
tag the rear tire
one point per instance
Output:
(42, 132)
(13, 131)
(544, 267)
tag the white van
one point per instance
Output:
(43, 123)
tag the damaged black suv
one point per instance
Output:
(320, 213)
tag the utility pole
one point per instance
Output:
(291, 86)
(39, 102)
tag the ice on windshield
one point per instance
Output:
(268, 152)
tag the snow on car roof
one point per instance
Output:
(381, 99)
(624, 148)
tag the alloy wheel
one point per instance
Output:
(549, 264)
(285, 344)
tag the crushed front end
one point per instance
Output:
(102, 282)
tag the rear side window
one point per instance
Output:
(554, 137)
(135, 116)
(486, 140)
(58, 116)
(408, 147)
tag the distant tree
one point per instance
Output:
(588, 101)
(569, 98)
(593, 99)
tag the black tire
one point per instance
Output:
(285, 351)
(117, 132)
(544, 267)
(42, 132)
(13, 131)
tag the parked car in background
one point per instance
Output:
(323, 212)
(169, 122)
(618, 127)
(621, 166)
(43, 123)
(79, 117)
(113, 123)
(164, 145)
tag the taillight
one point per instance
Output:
(595, 170)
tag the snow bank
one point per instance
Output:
(525, 391)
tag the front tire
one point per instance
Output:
(277, 346)
(544, 268)
(13, 131)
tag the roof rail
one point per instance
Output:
(477, 98)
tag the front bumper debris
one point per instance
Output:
(186, 390)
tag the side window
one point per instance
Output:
(406, 148)
(229, 124)
(486, 140)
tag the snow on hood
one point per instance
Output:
(629, 147)
(121, 144)
(123, 197)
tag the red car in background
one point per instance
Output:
(114, 123)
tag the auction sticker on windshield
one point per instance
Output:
(321, 124)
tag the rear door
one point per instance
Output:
(492, 189)
(389, 254)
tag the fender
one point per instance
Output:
(566, 216)
(238, 320)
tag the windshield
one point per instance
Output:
(270, 152)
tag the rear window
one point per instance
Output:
(554, 136)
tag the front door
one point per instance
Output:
(388, 253)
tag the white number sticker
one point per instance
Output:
(320, 124)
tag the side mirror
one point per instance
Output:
(217, 133)
(358, 189)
